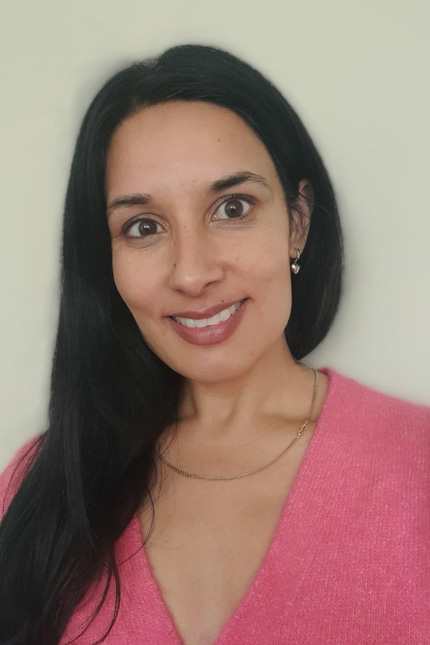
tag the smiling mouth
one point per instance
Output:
(222, 316)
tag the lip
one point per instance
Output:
(207, 313)
(213, 334)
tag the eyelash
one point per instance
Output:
(242, 198)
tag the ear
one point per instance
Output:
(301, 217)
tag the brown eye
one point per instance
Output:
(233, 207)
(143, 228)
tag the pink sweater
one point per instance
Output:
(350, 560)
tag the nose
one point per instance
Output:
(195, 262)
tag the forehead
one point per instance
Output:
(190, 141)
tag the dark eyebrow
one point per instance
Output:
(229, 181)
(238, 178)
(136, 199)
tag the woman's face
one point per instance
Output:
(201, 240)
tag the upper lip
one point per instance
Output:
(206, 313)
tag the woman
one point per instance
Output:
(202, 261)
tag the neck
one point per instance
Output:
(240, 409)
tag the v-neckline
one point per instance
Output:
(301, 488)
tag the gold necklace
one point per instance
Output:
(301, 431)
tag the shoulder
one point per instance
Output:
(382, 421)
(15, 471)
(372, 404)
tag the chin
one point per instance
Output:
(211, 370)
(225, 361)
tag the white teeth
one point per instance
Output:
(201, 323)
(207, 322)
(188, 322)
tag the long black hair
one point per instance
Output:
(111, 396)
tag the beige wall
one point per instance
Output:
(357, 72)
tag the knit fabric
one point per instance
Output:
(349, 562)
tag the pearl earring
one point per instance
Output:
(295, 267)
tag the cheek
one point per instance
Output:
(272, 271)
(271, 260)
(135, 285)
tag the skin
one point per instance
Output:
(197, 257)
(244, 397)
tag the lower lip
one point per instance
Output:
(212, 334)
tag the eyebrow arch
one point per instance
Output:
(229, 181)
(238, 178)
(136, 199)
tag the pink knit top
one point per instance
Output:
(349, 562)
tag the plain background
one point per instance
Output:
(356, 72)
